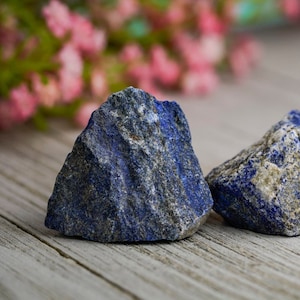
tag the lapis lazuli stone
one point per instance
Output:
(259, 188)
(132, 175)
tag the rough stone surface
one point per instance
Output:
(259, 189)
(132, 175)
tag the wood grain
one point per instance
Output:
(218, 262)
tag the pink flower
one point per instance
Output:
(169, 75)
(194, 56)
(131, 53)
(99, 40)
(163, 69)
(191, 50)
(244, 56)
(252, 49)
(98, 83)
(84, 113)
(58, 18)
(175, 14)
(127, 8)
(71, 85)
(6, 115)
(114, 20)
(148, 86)
(23, 103)
(213, 47)
(124, 10)
(239, 63)
(158, 54)
(291, 8)
(182, 40)
(70, 74)
(200, 82)
(85, 37)
(140, 71)
(209, 22)
(48, 93)
(71, 60)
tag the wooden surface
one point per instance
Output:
(219, 262)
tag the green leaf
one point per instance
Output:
(86, 74)
(62, 111)
(117, 86)
(109, 3)
(39, 121)
(138, 27)
(161, 5)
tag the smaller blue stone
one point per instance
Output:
(258, 189)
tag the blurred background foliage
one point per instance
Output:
(51, 67)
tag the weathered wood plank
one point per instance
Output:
(218, 261)
(27, 202)
(281, 52)
(30, 269)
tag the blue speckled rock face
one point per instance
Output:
(132, 175)
(259, 189)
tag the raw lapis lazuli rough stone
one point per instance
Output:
(132, 175)
(259, 188)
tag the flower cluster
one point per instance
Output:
(60, 60)
(291, 9)
(52, 88)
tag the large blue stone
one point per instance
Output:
(259, 188)
(132, 175)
